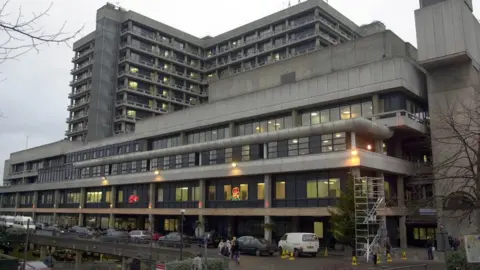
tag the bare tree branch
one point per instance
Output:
(20, 35)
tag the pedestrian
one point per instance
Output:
(136, 264)
(235, 251)
(48, 261)
(221, 245)
(430, 248)
(376, 252)
(197, 262)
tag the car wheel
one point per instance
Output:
(314, 255)
(258, 253)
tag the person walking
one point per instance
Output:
(235, 251)
(430, 248)
(197, 262)
(375, 252)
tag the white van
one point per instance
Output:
(299, 243)
(24, 222)
(7, 221)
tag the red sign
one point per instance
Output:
(133, 198)
(236, 193)
(161, 266)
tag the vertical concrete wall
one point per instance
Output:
(447, 29)
(102, 104)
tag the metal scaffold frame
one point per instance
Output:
(370, 222)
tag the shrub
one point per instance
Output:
(210, 264)
(458, 260)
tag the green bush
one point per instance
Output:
(458, 260)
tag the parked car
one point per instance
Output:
(174, 240)
(255, 245)
(83, 232)
(40, 226)
(116, 237)
(213, 239)
(299, 243)
(156, 236)
(139, 236)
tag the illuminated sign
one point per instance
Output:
(133, 198)
(236, 194)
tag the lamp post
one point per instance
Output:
(181, 234)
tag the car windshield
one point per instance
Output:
(309, 237)
(146, 233)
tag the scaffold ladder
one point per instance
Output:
(370, 224)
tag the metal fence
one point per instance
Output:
(86, 266)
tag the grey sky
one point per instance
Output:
(34, 95)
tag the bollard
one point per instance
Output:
(326, 252)
(404, 255)
(292, 257)
(354, 261)
(284, 254)
(389, 257)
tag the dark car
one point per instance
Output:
(213, 239)
(116, 237)
(174, 240)
(256, 245)
(83, 232)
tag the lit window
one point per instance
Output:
(165, 106)
(160, 195)
(133, 70)
(193, 75)
(131, 113)
(211, 193)
(277, 56)
(210, 75)
(165, 79)
(165, 93)
(280, 190)
(166, 53)
(261, 191)
(345, 112)
(133, 85)
(181, 194)
(166, 66)
(227, 192)
(243, 191)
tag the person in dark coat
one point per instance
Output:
(135, 264)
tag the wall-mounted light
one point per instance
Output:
(234, 165)
(369, 147)
(354, 152)
(157, 172)
(103, 178)
(111, 205)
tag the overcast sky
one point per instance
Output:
(33, 96)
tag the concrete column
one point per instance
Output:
(353, 140)
(400, 191)
(296, 120)
(17, 200)
(403, 231)
(80, 219)
(2, 196)
(43, 252)
(376, 104)
(267, 190)
(379, 146)
(78, 260)
(201, 204)
(183, 138)
(111, 221)
(151, 222)
(82, 198)
(113, 197)
(268, 231)
(231, 127)
(151, 195)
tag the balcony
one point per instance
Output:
(150, 94)
(164, 42)
(81, 67)
(263, 37)
(80, 79)
(402, 120)
(266, 49)
(137, 105)
(75, 131)
(79, 92)
(156, 53)
(82, 55)
(76, 118)
(77, 105)
(22, 174)
(126, 118)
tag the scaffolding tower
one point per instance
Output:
(370, 223)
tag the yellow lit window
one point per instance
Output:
(133, 70)
(165, 79)
(211, 193)
(120, 196)
(165, 93)
(131, 113)
(181, 194)
(318, 229)
(165, 66)
(345, 112)
(416, 235)
(133, 85)
(193, 75)
(243, 191)
(193, 63)
(196, 194)
(387, 189)
(170, 225)
(210, 75)
(312, 189)
(422, 234)
(108, 197)
(277, 56)
(165, 106)
(227, 192)
(334, 188)
(322, 189)
(94, 197)
(166, 53)
(280, 190)
(261, 191)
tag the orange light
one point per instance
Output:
(369, 147)
(149, 205)
(354, 152)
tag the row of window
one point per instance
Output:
(209, 135)
(111, 150)
(343, 112)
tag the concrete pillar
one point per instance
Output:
(183, 139)
(353, 140)
(151, 222)
(17, 200)
(267, 230)
(34, 206)
(296, 121)
(80, 219)
(400, 191)
(82, 198)
(403, 231)
(376, 104)
(151, 195)
(201, 204)
(231, 127)
(379, 146)
(267, 190)
(2, 196)
(78, 260)
(113, 197)
(111, 221)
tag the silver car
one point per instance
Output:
(139, 236)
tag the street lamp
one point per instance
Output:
(182, 212)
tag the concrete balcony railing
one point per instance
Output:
(81, 55)
(82, 90)
(140, 106)
(81, 78)
(81, 67)
(77, 117)
(21, 174)
(127, 118)
(401, 119)
(75, 130)
(77, 105)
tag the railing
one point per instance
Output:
(81, 66)
(397, 114)
(81, 78)
(82, 54)
(77, 104)
(79, 91)
(76, 117)
(74, 130)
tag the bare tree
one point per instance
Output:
(455, 137)
(20, 34)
